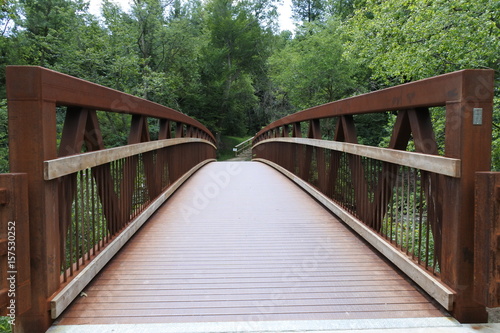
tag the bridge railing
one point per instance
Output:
(416, 208)
(87, 200)
(240, 147)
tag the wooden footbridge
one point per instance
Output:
(316, 233)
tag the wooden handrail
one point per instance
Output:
(243, 145)
(63, 166)
(423, 208)
(432, 163)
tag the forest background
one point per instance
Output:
(227, 64)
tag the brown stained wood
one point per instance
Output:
(487, 239)
(240, 242)
(31, 142)
(262, 316)
(15, 245)
(338, 297)
(62, 89)
(433, 91)
(472, 144)
(58, 167)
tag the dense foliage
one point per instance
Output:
(226, 63)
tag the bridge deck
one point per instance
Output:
(240, 242)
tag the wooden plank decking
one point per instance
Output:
(240, 242)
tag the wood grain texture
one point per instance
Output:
(432, 163)
(240, 242)
(70, 164)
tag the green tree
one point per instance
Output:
(312, 69)
(49, 26)
(343, 8)
(308, 10)
(406, 40)
(233, 58)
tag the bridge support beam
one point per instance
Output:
(468, 139)
(32, 140)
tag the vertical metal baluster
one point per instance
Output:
(126, 194)
(402, 208)
(137, 189)
(346, 197)
(85, 239)
(94, 212)
(420, 219)
(70, 235)
(427, 241)
(107, 201)
(414, 213)
(434, 259)
(133, 191)
(341, 193)
(397, 209)
(349, 185)
(82, 219)
(360, 189)
(354, 187)
(84, 215)
(357, 185)
(139, 184)
(77, 224)
(394, 207)
(380, 207)
(364, 195)
(371, 199)
(408, 210)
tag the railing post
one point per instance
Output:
(468, 137)
(487, 239)
(32, 140)
(15, 287)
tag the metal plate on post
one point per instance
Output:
(477, 116)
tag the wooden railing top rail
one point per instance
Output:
(244, 142)
(66, 90)
(437, 164)
(70, 164)
(431, 92)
